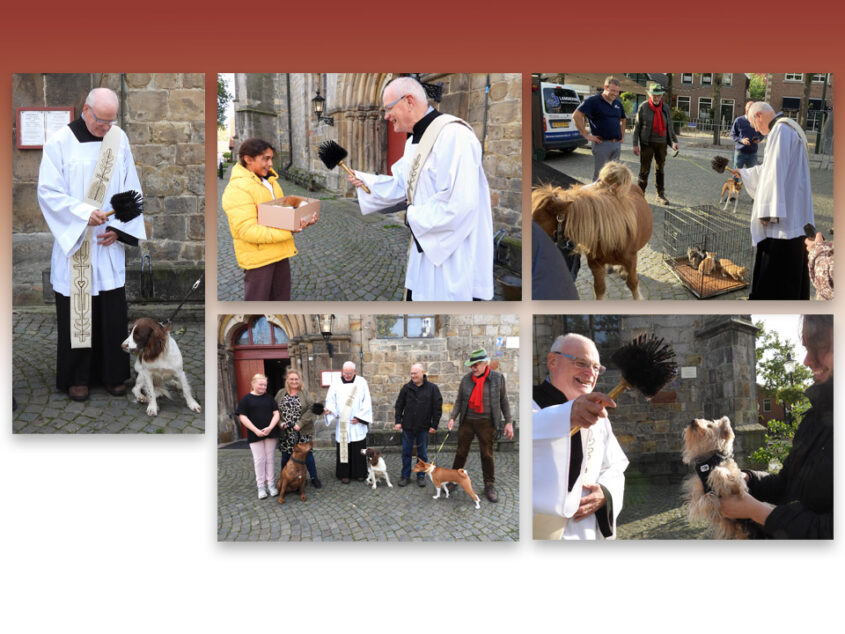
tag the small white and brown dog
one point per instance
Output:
(731, 189)
(376, 468)
(708, 447)
(442, 477)
(158, 362)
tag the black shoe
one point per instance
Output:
(490, 492)
(403, 481)
(663, 200)
(420, 482)
(78, 393)
(316, 482)
(116, 390)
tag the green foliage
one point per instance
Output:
(757, 86)
(628, 99)
(223, 99)
(679, 115)
(777, 444)
(227, 156)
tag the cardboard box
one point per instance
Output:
(274, 214)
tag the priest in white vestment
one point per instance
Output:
(450, 217)
(578, 480)
(67, 166)
(349, 407)
(783, 204)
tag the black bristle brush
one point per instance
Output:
(333, 155)
(127, 205)
(317, 409)
(647, 364)
(719, 163)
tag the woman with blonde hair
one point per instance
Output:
(297, 421)
(258, 412)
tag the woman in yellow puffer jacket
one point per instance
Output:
(263, 252)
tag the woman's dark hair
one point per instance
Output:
(817, 331)
(253, 147)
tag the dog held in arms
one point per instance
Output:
(376, 468)
(609, 221)
(708, 447)
(441, 477)
(158, 361)
(293, 477)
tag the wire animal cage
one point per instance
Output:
(708, 249)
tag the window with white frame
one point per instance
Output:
(819, 77)
(727, 79)
(682, 104)
(405, 326)
(793, 76)
(686, 79)
(704, 105)
(706, 79)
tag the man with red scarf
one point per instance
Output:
(482, 406)
(653, 134)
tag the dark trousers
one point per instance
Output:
(484, 429)
(268, 283)
(409, 439)
(104, 362)
(780, 270)
(657, 153)
(357, 466)
(310, 463)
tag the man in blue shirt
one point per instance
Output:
(746, 140)
(607, 124)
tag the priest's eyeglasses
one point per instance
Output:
(101, 121)
(389, 106)
(583, 364)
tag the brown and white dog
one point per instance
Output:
(158, 362)
(293, 477)
(441, 477)
(731, 189)
(708, 447)
(376, 468)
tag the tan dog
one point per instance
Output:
(708, 447)
(293, 476)
(441, 477)
(294, 201)
(729, 269)
(731, 189)
(707, 264)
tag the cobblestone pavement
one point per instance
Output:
(689, 182)
(355, 512)
(42, 409)
(346, 256)
(655, 511)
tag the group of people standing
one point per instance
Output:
(481, 407)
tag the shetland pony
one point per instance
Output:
(609, 221)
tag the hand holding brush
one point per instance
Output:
(333, 156)
(127, 205)
(647, 364)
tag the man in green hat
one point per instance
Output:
(653, 133)
(482, 407)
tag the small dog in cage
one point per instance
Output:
(729, 269)
(730, 190)
(695, 256)
(708, 263)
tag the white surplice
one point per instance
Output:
(66, 169)
(780, 187)
(362, 407)
(604, 463)
(451, 217)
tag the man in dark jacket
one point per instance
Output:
(653, 134)
(418, 410)
(483, 409)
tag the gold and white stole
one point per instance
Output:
(345, 415)
(80, 261)
(424, 148)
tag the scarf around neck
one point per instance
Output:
(659, 125)
(476, 399)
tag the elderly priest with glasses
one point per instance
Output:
(579, 479)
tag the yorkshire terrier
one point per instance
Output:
(708, 447)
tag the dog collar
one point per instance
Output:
(703, 468)
(297, 461)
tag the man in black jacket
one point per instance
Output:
(418, 410)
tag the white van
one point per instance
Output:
(559, 102)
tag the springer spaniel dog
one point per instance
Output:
(376, 468)
(158, 361)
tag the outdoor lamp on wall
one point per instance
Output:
(319, 105)
(326, 324)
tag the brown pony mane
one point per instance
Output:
(597, 217)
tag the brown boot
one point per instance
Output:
(490, 492)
